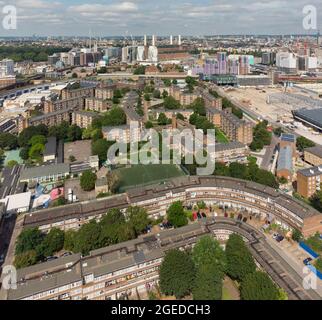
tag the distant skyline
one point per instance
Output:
(164, 17)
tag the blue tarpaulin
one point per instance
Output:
(317, 272)
(308, 250)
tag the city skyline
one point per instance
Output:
(136, 17)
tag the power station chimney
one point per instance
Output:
(154, 40)
(179, 40)
(145, 40)
(171, 40)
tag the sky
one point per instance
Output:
(163, 17)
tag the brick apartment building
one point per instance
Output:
(313, 155)
(309, 181)
(83, 119)
(96, 104)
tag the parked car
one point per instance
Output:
(279, 238)
(66, 254)
(51, 258)
(307, 261)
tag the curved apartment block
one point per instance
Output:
(251, 199)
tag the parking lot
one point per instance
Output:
(82, 195)
(81, 150)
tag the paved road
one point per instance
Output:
(10, 184)
(294, 267)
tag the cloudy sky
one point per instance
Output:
(163, 17)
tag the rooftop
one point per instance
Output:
(317, 151)
(312, 117)
(42, 171)
(51, 146)
(311, 172)
(285, 159)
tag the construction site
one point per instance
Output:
(276, 104)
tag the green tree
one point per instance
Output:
(198, 106)
(53, 242)
(25, 259)
(72, 158)
(87, 180)
(24, 153)
(139, 70)
(177, 273)
(28, 240)
(258, 286)
(38, 139)
(74, 133)
(239, 260)
(36, 151)
(148, 125)
(113, 181)
(12, 163)
(176, 215)
(28, 133)
(297, 235)
(207, 284)
(70, 240)
(8, 141)
(87, 238)
(208, 251)
(302, 143)
(100, 148)
(163, 120)
(138, 219)
(171, 103)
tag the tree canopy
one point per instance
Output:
(177, 273)
(302, 143)
(239, 260)
(176, 215)
(258, 286)
(87, 180)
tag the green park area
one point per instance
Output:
(146, 174)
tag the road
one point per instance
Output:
(10, 184)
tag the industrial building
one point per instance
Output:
(312, 118)
(285, 163)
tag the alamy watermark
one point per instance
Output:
(310, 17)
(9, 17)
(9, 277)
(170, 146)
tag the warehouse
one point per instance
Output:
(312, 118)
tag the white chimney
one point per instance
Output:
(145, 40)
(154, 40)
(179, 40)
(171, 40)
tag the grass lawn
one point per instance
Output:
(230, 290)
(146, 174)
(220, 137)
